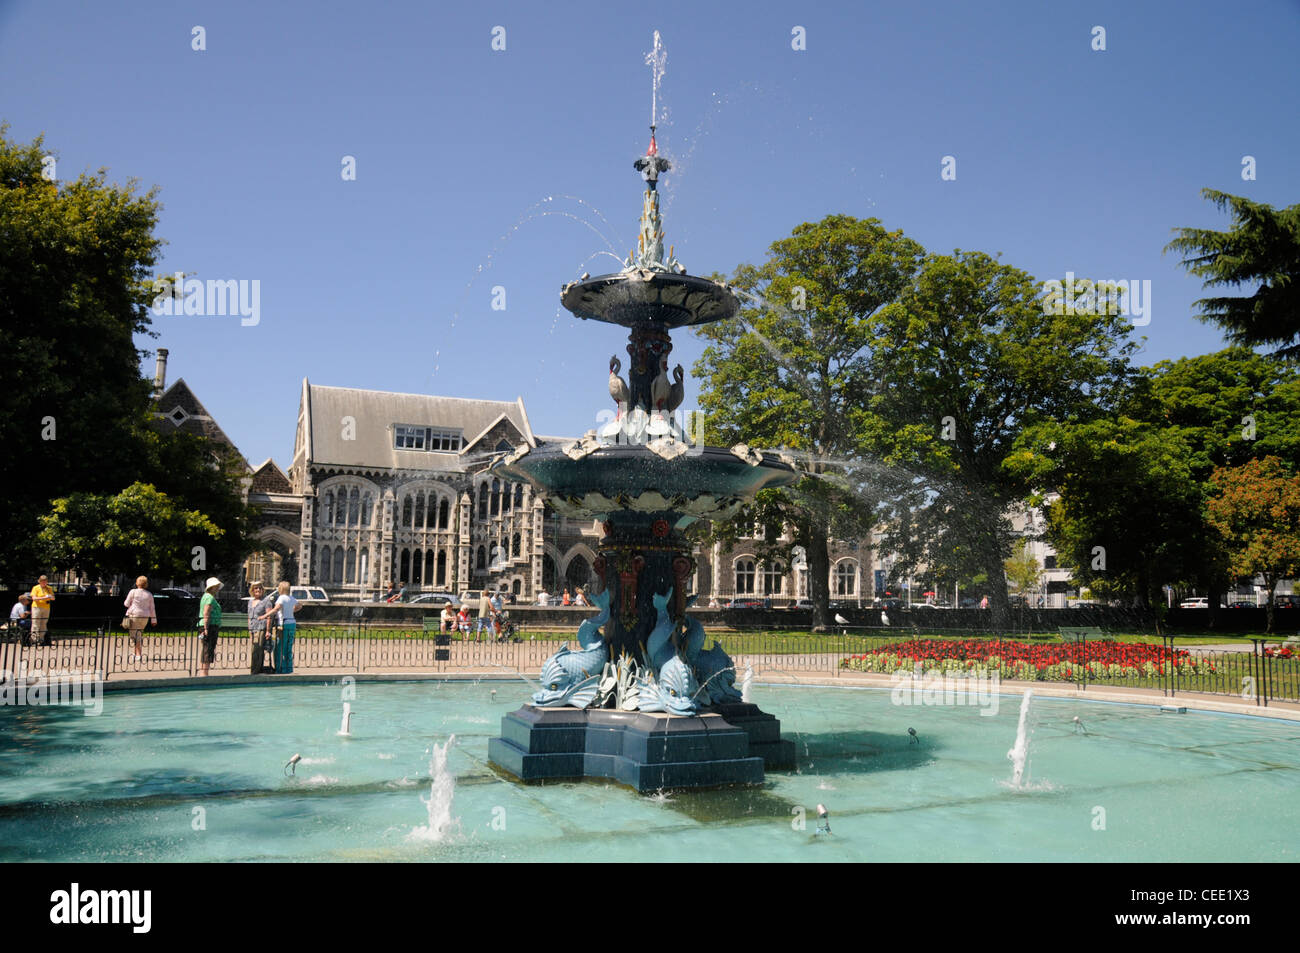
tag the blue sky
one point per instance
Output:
(474, 167)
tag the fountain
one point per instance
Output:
(642, 701)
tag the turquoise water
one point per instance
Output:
(198, 775)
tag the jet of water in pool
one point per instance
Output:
(442, 788)
(1019, 753)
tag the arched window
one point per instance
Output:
(407, 509)
(428, 567)
(338, 566)
(354, 508)
(514, 546)
(846, 583)
(417, 563)
(516, 587)
(419, 511)
(323, 573)
(350, 567)
(773, 579)
(744, 576)
(329, 509)
(482, 557)
(496, 497)
(442, 566)
(362, 576)
(482, 501)
(365, 510)
(519, 495)
(444, 515)
(404, 570)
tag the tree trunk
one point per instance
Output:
(999, 604)
(1268, 607)
(819, 572)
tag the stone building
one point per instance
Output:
(393, 487)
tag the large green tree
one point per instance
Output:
(1260, 251)
(75, 413)
(965, 360)
(1136, 482)
(793, 371)
(1256, 509)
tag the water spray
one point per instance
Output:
(823, 819)
(1078, 726)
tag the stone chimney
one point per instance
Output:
(160, 373)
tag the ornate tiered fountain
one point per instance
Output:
(642, 700)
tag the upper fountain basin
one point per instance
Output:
(639, 295)
(708, 483)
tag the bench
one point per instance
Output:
(1080, 633)
(441, 640)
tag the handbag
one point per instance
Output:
(126, 622)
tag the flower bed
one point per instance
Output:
(1104, 660)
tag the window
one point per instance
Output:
(744, 576)
(846, 579)
(773, 579)
(438, 440)
(1049, 562)
(443, 514)
(519, 495)
(514, 546)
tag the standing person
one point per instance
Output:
(543, 598)
(984, 603)
(20, 616)
(209, 623)
(498, 603)
(42, 596)
(139, 612)
(567, 598)
(579, 597)
(284, 605)
(484, 620)
(259, 608)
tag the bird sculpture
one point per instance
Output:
(617, 390)
(660, 389)
(840, 619)
(884, 617)
(678, 391)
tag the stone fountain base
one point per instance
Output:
(729, 744)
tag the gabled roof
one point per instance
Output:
(353, 427)
(268, 477)
(178, 407)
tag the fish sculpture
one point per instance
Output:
(658, 645)
(713, 669)
(589, 630)
(571, 679)
(674, 691)
(716, 674)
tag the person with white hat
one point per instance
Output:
(209, 622)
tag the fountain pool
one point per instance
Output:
(199, 775)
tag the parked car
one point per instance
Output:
(800, 604)
(436, 598)
(748, 603)
(1286, 602)
(309, 594)
(176, 593)
(1242, 604)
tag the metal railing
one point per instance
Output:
(1258, 673)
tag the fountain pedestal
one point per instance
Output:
(731, 744)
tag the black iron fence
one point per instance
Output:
(1258, 672)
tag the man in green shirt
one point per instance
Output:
(209, 622)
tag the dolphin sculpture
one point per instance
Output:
(589, 630)
(571, 679)
(658, 645)
(674, 691)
